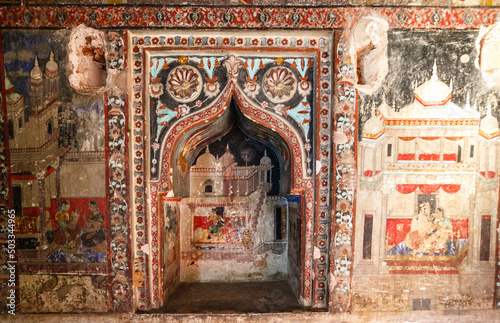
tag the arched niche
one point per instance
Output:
(229, 69)
(195, 140)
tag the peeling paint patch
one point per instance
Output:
(462, 301)
(370, 46)
(487, 43)
(380, 302)
(87, 56)
(63, 294)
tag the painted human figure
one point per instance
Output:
(216, 226)
(95, 234)
(421, 228)
(441, 232)
(67, 230)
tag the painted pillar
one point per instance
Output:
(40, 176)
(57, 168)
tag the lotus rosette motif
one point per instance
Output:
(184, 83)
(279, 84)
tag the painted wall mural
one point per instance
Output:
(171, 250)
(56, 150)
(428, 187)
(230, 218)
(409, 235)
(270, 98)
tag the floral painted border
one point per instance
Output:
(120, 284)
(238, 17)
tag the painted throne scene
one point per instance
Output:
(428, 165)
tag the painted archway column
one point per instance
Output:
(344, 168)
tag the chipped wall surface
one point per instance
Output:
(247, 143)
(63, 294)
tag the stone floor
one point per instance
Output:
(232, 298)
(469, 316)
(256, 303)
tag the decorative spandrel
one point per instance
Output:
(182, 85)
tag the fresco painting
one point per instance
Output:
(56, 150)
(230, 133)
(230, 211)
(170, 210)
(234, 157)
(79, 229)
(428, 163)
(213, 230)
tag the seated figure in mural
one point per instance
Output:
(441, 232)
(216, 227)
(94, 235)
(67, 230)
(420, 230)
(429, 232)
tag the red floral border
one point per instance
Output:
(238, 17)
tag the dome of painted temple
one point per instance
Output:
(433, 92)
(207, 160)
(226, 159)
(8, 85)
(51, 68)
(489, 125)
(36, 72)
(265, 160)
(373, 128)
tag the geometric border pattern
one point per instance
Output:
(238, 17)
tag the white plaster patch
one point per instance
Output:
(87, 56)
(487, 44)
(317, 253)
(145, 249)
(333, 281)
(464, 58)
(370, 50)
(318, 167)
(339, 138)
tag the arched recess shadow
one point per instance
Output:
(199, 129)
(193, 141)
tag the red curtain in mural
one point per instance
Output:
(428, 157)
(450, 157)
(406, 157)
(427, 188)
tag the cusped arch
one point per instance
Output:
(196, 124)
